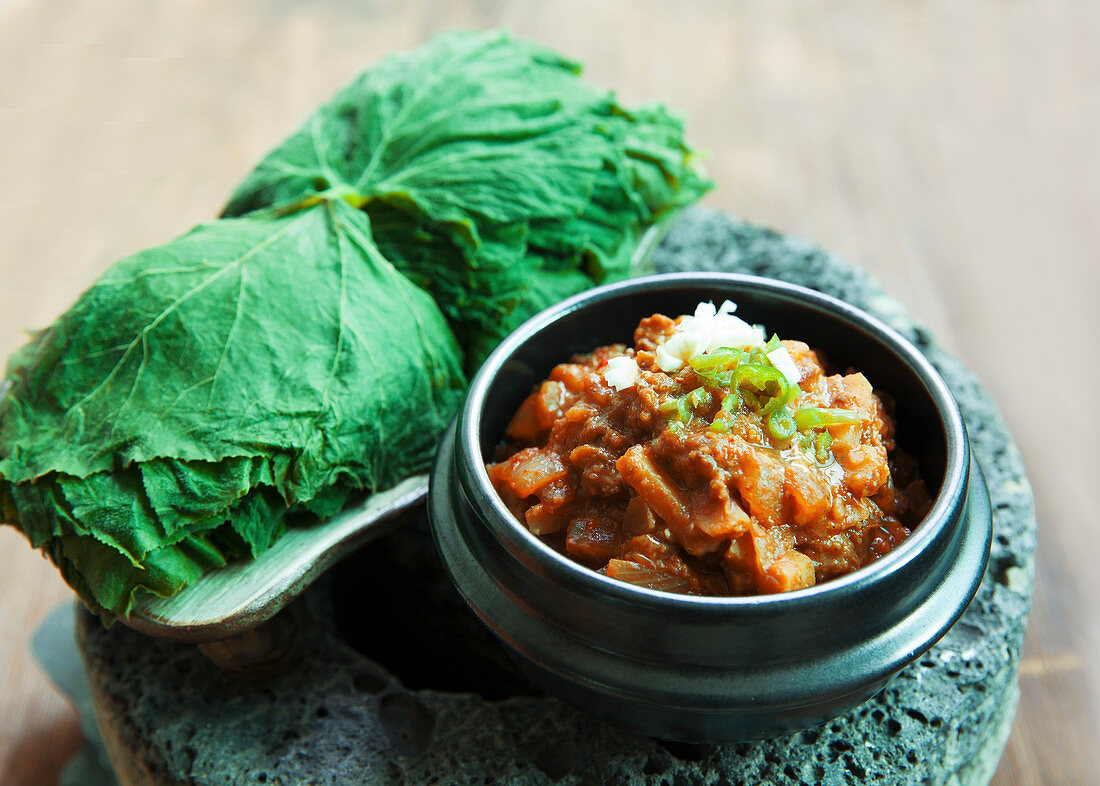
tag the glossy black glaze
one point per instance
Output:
(710, 669)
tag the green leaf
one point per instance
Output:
(243, 338)
(493, 175)
(249, 369)
(105, 578)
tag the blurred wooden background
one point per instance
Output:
(949, 147)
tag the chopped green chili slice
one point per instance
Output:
(786, 395)
(721, 425)
(780, 424)
(821, 417)
(697, 398)
(822, 442)
(676, 408)
(718, 359)
(714, 368)
(716, 379)
(758, 376)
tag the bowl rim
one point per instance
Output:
(474, 478)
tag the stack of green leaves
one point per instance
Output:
(315, 341)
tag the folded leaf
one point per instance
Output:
(249, 369)
(289, 339)
(492, 174)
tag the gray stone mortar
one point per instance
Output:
(341, 717)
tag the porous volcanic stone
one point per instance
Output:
(434, 700)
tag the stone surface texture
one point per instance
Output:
(434, 700)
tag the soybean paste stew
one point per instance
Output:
(706, 460)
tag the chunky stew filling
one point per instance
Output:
(706, 460)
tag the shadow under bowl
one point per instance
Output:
(708, 669)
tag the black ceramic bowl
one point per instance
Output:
(702, 668)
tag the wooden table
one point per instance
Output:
(950, 148)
